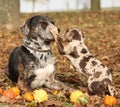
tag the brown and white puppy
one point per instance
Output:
(32, 64)
(74, 48)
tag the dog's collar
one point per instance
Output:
(38, 50)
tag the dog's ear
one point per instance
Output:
(25, 28)
(50, 20)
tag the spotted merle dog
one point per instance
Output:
(72, 45)
(32, 65)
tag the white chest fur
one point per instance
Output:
(41, 75)
(45, 66)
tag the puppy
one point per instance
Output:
(32, 65)
(73, 47)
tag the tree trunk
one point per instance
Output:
(33, 5)
(9, 14)
(95, 5)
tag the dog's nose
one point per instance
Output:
(58, 30)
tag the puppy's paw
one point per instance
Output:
(113, 91)
(54, 32)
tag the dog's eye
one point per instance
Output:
(44, 25)
(53, 22)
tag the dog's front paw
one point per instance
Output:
(24, 87)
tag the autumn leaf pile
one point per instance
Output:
(102, 30)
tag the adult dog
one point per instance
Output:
(33, 63)
(72, 45)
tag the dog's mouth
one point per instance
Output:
(49, 40)
(49, 37)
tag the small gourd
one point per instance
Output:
(110, 100)
(40, 95)
(28, 96)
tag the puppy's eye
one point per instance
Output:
(84, 36)
(67, 30)
(58, 30)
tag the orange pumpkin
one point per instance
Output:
(9, 93)
(16, 90)
(28, 96)
(110, 100)
(1, 91)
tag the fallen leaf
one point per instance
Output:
(53, 102)
(77, 105)
(5, 99)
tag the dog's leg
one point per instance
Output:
(21, 80)
(23, 86)
(52, 83)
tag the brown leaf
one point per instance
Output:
(77, 105)
(5, 99)
(53, 102)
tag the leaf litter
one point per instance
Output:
(102, 30)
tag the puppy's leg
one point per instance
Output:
(58, 40)
(95, 86)
(112, 90)
(101, 87)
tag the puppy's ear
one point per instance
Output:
(76, 35)
(25, 28)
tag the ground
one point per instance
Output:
(102, 30)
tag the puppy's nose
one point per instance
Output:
(58, 30)
(62, 38)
